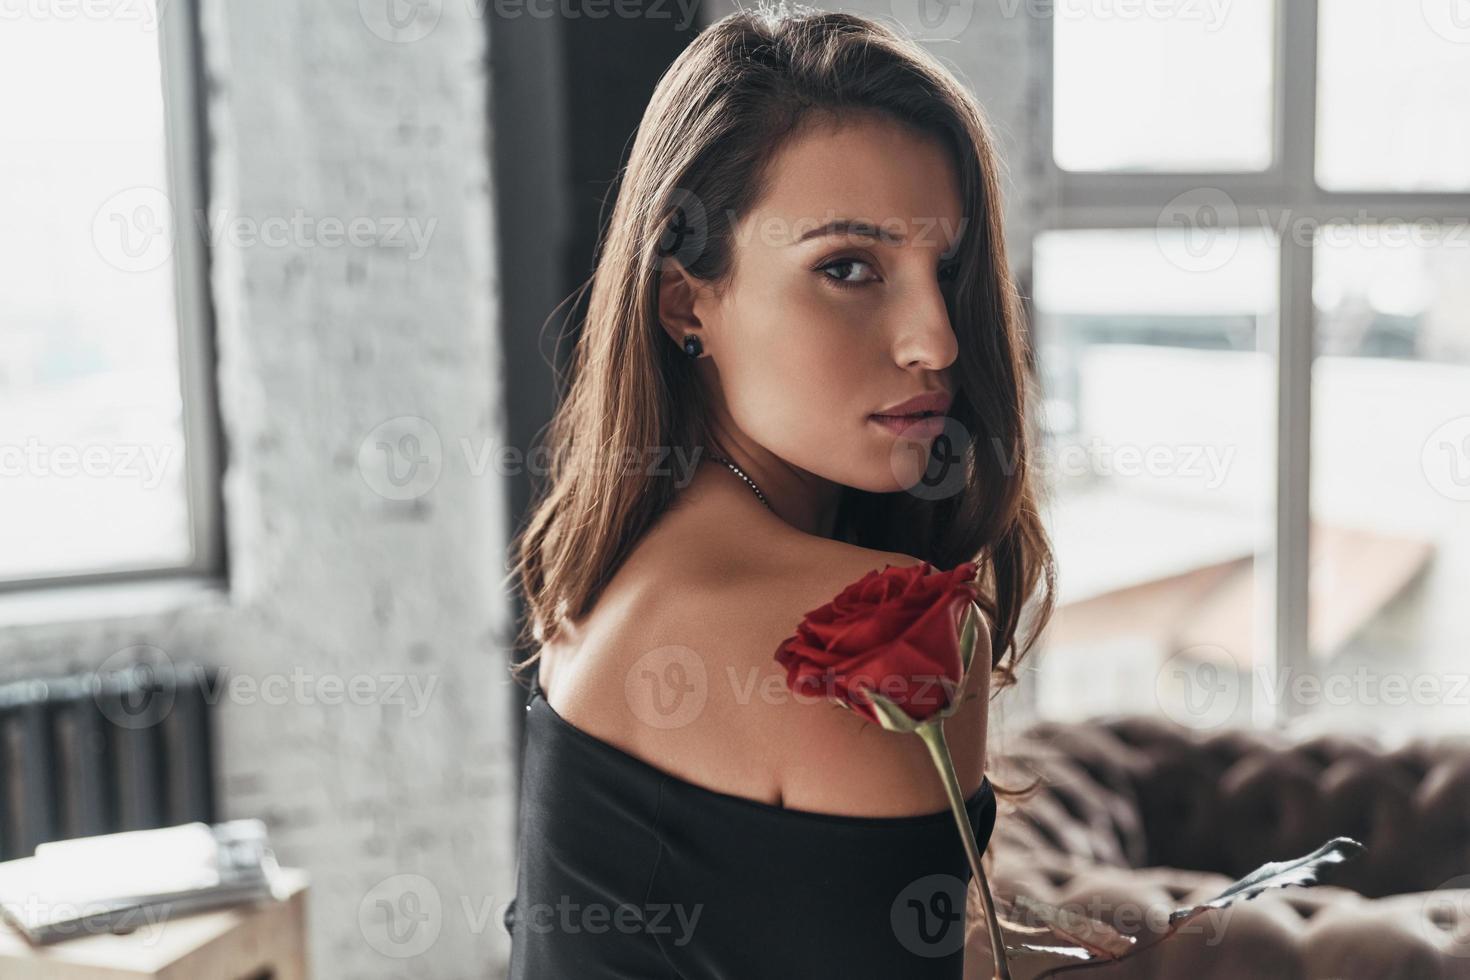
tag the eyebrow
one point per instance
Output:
(852, 226)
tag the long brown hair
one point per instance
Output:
(698, 164)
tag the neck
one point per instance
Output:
(800, 499)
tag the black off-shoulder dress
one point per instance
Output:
(627, 872)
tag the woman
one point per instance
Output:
(805, 255)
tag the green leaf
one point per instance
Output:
(890, 715)
(1302, 871)
(1278, 874)
(967, 638)
(1093, 935)
(1028, 949)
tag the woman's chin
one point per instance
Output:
(889, 464)
(908, 461)
(893, 475)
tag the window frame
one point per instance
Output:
(1283, 193)
(180, 50)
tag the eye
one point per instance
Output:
(839, 271)
(844, 269)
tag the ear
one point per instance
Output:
(678, 291)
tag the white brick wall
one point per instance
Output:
(314, 114)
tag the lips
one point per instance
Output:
(921, 417)
(929, 403)
(911, 426)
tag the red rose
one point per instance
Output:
(895, 631)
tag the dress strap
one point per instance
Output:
(535, 683)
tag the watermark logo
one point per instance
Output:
(685, 233)
(406, 21)
(928, 916)
(1198, 231)
(667, 687)
(129, 687)
(1446, 919)
(565, 916)
(401, 916)
(1199, 686)
(133, 230)
(934, 20)
(136, 687)
(1450, 19)
(1207, 466)
(301, 230)
(1446, 459)
(932, 470)
(1202, 686)
(145, 13)
(147, 464)
(401, 21)
(402, 458)
(1212, 14)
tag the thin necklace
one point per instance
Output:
(748, 481)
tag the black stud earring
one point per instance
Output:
(693, 346)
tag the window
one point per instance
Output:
(1159, 455)
(1391, 103)
(107, 442)
(1191, 91)
(1250, 293)
(1390, 464)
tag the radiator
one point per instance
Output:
(97, 753)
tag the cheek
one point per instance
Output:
(800, 383)
(796, 364)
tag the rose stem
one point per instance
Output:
(933, 735)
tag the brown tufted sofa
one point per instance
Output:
(1137, 816)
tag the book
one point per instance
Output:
(118, 882)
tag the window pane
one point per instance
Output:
(1163, 86)
(1391, 476)
(1392, 81)
(90, 425)
(1159, 388)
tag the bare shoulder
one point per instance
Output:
(845, 764)
(677, 666)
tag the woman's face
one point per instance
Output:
(837, 306)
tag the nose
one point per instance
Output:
(925, 338)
